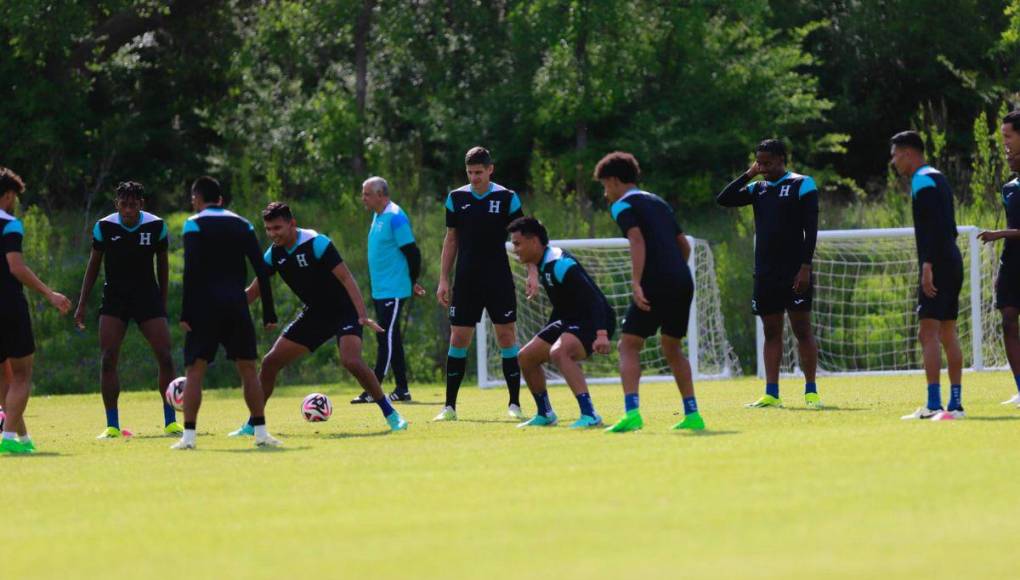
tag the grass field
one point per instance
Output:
(849, 492)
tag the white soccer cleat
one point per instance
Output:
(515, 412)
(921, 413)
(948, 416)
(268, 441)
(182, 444)
(447, 414)
(1014, 400)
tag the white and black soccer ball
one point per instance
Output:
(316, 408)
(175, 393)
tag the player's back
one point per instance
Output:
(1011, 202)
(665, 266)
(11, 234)
(220, 241)
(934, 216)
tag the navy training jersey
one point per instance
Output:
(12, 233)
(572, 292)
(307, 268)
(481, 222)
(1011, 248)
(128, 252)
(216, 244)
(665, 267)
(934, 217)
(785, 222)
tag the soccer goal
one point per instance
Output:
(864, 314)
(608, 263)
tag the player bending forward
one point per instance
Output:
(581, 322)
(662, 285)
(333, 307)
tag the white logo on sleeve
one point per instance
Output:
(493, 206)
(301, 260)
(145, 239)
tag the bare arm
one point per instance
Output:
(252, 291)
(685, 246)
(25, 275)
(343, 274)
(445, 265)
(162, 274)
(88, 282)
(637, 266)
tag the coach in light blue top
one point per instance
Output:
(394, 263)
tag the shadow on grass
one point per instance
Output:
(705, 433)
(1001, 418)
(259, 449)
(35, 454)
(827, 409)
(351, 435)
(503, 421)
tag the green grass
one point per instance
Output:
(849, 492)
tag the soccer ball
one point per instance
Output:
(175, 393)
(316, 408)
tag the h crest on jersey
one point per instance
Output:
(493, 206)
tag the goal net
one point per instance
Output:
(864, 314)
(608, 263)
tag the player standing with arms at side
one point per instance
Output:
(785, 232)
(215, 311)
(17, 344)
(582, 322)
(333, 308)
(941, 273)
(663, 288)
(477, 215)
(1007, 283)
(394, 264)
(124, 243)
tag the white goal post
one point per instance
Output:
(608, 262)
(864, 311)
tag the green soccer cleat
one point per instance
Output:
(587, 422)
(765, 402)
(540, 421)
(246, 430)
(15, 447)
(174, 428)
(632, 421)
(396, 422)
(114, 433)
(813, 401)
(692, 422)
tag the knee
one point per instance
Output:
(351, 363)
(559, 355)
(108, 360)
(164, 359)
(927, 336)
(1010, 327)
(803, 332)
(773, 332)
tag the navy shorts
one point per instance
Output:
(230, 326)
(775, 295)
(948, 280)
(671, 309)
(495, 294)
(584, 330)
(311, 329)
(139, 306)
(16, 338)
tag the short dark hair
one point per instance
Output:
(130, 190)
(1012, 118)
(10, 181)
(208, 189)
(772, 147)
(619, 164)
(530, 227)
(478, 156)
(275, 210)
(911, 139)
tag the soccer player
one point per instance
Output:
(394, 264)
(582, 322)
(476, 219)
(785, 231)
(17, 345)
(661, 283)
(941, 273)
(215, 306)
(333, 308)
(1007, 283)
(129, 240)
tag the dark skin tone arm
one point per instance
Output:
(637, 267)
(992, 235)
(163, 274)
(91, 275)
